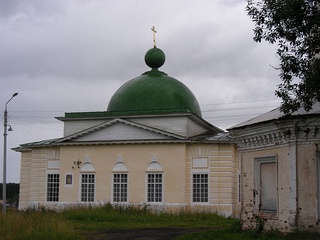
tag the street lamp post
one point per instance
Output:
(4, 186)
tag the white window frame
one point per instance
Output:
(193, 189)
(94, 187)
(113, 187)
(257, 186)
(154, 192)
(54, 187)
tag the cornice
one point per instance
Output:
(277, 134)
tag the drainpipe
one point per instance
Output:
(318, 180)
(241, 179)
(295, 181)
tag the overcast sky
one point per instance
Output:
(72, 55)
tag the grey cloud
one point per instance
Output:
(72, 55)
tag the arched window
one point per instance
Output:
(87, 184)
(154, 180)
(120, 181)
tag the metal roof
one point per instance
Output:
(221, 137)
(213, 134)
(277, 114)
(154, 91)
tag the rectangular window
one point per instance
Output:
(120, 187)
(200, 187)
(154, 187)
(53, 188)
(266, 184)
(87, 187)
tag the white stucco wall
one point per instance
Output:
(176, 161)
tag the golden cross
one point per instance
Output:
(153, 29)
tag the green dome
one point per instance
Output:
(153, 92)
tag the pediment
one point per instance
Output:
(186, 125)
(120, 130)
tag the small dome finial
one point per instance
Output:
(153, 29)
(155, 58)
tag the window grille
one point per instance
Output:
(154, 187)
(53, 187)
(120, 187)
(87, 187)
(200, 187)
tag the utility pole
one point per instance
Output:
(5, 129)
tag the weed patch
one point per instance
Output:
(92, 222)
(35, 225)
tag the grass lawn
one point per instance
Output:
(84, 223)
(119, 217)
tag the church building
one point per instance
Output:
(151, 147)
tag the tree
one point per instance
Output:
(294, 25)
(12, 193)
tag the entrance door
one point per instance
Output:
(268, 187)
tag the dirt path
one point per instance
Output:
(143, 234)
